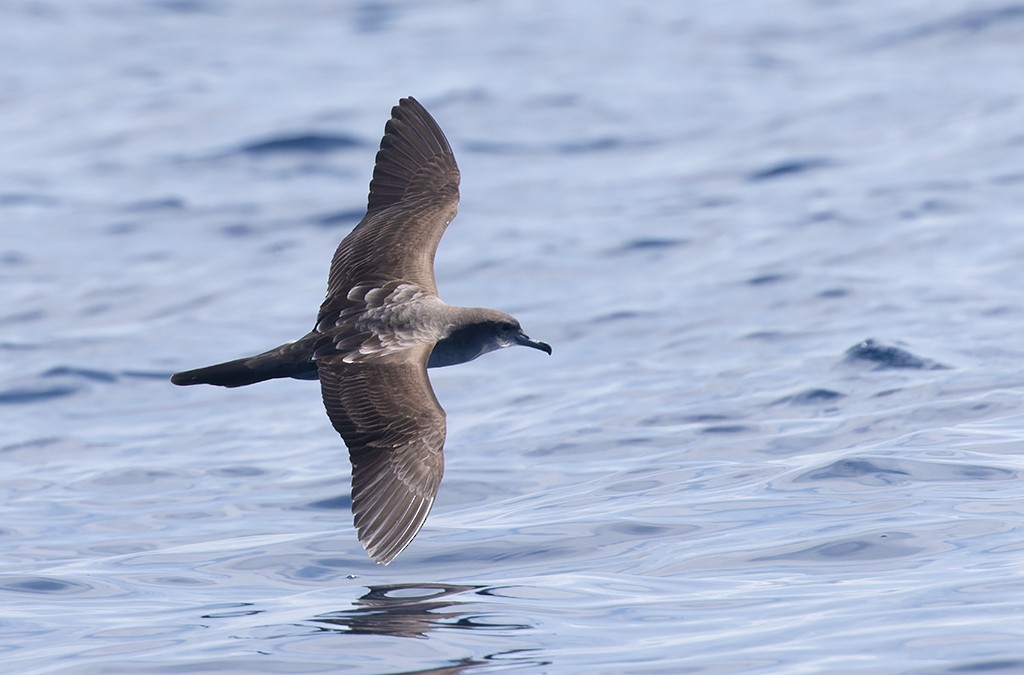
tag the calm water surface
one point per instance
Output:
(777, 247)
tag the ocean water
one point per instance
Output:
(778, 250)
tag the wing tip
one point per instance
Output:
(413, 143)
(384, 543)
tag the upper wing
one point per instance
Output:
(414, 194)
(394, 428)
(414, 160)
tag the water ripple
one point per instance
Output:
(889, 356)
(301, 143)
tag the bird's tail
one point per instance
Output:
(290, 360)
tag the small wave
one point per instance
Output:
(788, 168)
(649, 244)
(238, 230)
(622, 315)
(19, 395)
(880, 547)
(307, 143)
(765, 279)
(81, 373)
(42, 585)
(889, 357)
(186, 6)
(162, 204)
(988, 666)
(684, 419)
(580, 147)
(595, 145)
(969, 22)
(810, 397)
(340, 503)
(725, 429)
(374, 17)
(27, 199)
(890, 471)
(344, 217)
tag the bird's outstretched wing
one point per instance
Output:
(414, 194)
(394, 428)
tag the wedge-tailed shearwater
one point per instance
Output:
(380, 327)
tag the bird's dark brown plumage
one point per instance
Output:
(379, 328)
(395, 445)
(414, 194)
(385, 409)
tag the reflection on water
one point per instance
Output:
(415, 610)
(412, 610)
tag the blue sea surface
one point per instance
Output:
(778, 248)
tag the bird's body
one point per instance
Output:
(380, 327)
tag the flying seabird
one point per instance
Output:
(380, 327)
